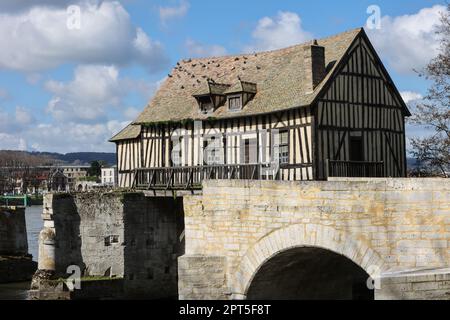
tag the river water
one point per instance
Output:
(34, 227)
(18, 291)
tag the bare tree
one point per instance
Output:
(434, 112)
(19, 169)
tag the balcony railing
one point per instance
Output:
(187, 178)
(354, 169)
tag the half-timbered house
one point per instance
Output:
(319, 109)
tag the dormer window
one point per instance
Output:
(210, 96)
(235, 102)
(206, 104)
(240, 94)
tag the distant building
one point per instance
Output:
(85, 186)
(74, 174)
(109, 176)
(57, 181)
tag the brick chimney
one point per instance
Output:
(313, 66)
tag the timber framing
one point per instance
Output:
(353, 123)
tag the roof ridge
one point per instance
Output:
(280, 85)
(202, 59)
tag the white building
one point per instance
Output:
(74, 174)
(109, 176)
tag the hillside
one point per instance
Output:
(45, 158)
(83, 157)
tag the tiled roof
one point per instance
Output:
(207, 87)
(129, 132)
(242, 86)
(277, 74)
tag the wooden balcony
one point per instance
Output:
(354, 169)
(188, 178)
(191, 178)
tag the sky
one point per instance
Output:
(75, 72)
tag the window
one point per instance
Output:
(206, 104)
(235, 103)
(284, 147)
(111, 240)
(213, 151)
(176, 152)
(356, 149)
(249, 153)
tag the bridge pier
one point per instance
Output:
(124, 245)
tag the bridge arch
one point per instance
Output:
(294, 237)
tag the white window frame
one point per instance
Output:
(283, 148)
(232, 97)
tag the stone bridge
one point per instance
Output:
(252, 240)
(317, 240)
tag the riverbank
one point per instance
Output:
(33, 200)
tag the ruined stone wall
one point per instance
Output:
(393, 224)
(122, 235)
(15, 262)
(13, 232)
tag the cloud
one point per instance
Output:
(83, 112)
(73, 137)
(92, 93)
(169, 13)
(20, 5)
(281, 31)
(39, 38)
(409, 96)
(12, 142)
(408, 42)
(24, 116)
(64, 137)
(196, 49)
(19, 130)
(87, 96)
(21, 119)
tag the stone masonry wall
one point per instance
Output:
(15, 262)
(393, 224)
(122, 235)
(415, 285)
(13, 232)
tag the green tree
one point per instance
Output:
(95, 170)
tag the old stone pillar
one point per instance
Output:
(47, 241)
(47, 249)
